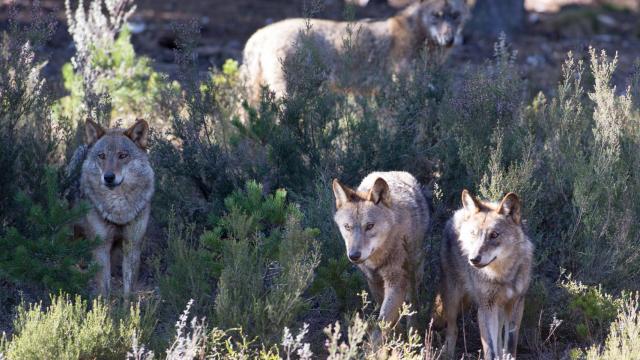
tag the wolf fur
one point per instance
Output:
(383, 224)
(485, 259)
(118, 182)
(386, 45)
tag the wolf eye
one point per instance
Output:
(347, 227)
(437, 14)
(455, 15)
(102, 156)
(493, 235)
(369, 226)
(123, 155)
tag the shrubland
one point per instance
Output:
(244, 202)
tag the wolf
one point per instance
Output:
(385, 46)
(117, 180)
(383, 224)
(486, 259)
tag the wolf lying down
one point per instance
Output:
(385, 46)
(118, 182)
(485, 256)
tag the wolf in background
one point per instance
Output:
(388, 45)
(486, 259)
(383, 224)
(117, 180)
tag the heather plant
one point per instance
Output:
(105, 78)
(70, 328)
(193, 156)
(623, 342)
(28, 137)
(478, 114)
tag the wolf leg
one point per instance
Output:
(513, 324)
(451, 302)
(376, 286)
(132, 247)
(102, 256)
(394, 295)
(489, 321)
(96, 228)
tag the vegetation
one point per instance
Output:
(41, 250)
(70, 329)
(245, 205)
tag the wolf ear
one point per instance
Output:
(93, 132)
(341, 193)
(138, 133)
(379, 193)
(510, 206)
(469, 202)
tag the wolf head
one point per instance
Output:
(490, 231)
(364, 218)
(113, 151)
(440, 21)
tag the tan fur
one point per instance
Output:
(485, 259)
(385, 220)
(119, 210)
(385, 45)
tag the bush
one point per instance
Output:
(105, 79)
(70, 329)
(40, 250)
(258, 253)
(28, 137)
(193, 156)
(191, 270)
(623, 342)
(194, 340)
(269, 260)
(590, 308)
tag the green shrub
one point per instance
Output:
(201, 125)
(590, 308)
(71, 329)
(269, 260)
(623, 341)
(191, 270)
(40, 250)
(106, 79)
(258, 253)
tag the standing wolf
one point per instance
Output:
(117, 180)
(385, 45)
(485, 258)
(383, 224)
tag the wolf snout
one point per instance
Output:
(449, 42)
(109, 178)
(476, 260)
(355, 256)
